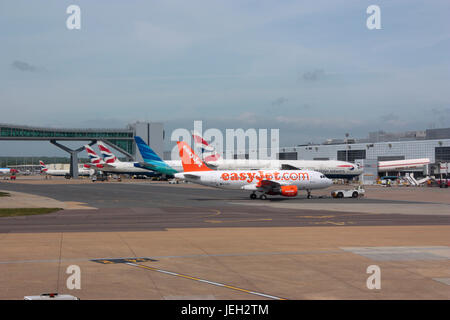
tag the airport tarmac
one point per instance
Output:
(203, 243)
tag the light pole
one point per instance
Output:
(346, 149)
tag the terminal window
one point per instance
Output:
(287, 156)
(351, 155)
(390, 158)
(442, 154)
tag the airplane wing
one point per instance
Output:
(100, 166)
(147, 165)
(192, 176)
(289, 167)
(269, 185)
(159, 167)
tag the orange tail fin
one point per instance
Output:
(191, 162)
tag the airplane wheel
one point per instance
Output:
(253, 196)
(263, 197)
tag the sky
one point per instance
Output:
(309, 68)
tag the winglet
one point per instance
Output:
(191, 162)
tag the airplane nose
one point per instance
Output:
(179, 175)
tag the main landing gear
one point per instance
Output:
(253, 196)
(309, 194)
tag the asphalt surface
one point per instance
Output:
(146, 207)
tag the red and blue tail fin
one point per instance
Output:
(208, 151)
(93, 156)
(107, 155)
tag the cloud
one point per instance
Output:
(389, 117)
(278, 102)
(313, 75)
(158, 37)
(23, 66)
(442, 116)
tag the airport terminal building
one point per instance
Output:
(380, 146)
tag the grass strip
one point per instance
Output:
(13, 212)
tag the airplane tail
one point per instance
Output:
(209, 153)
(93, 156)
(151, 160)
(147, 153)
(107, 155)
(191, 162)
(43, 166)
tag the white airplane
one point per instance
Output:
(384, 166)
(84, 170)
(332, 169)
(8, 171)
(266, 182)
(110, 163)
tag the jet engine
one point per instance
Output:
(288, 191)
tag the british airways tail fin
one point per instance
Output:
(108, 156)
(93, 156)
(208, 152)
(43, 166)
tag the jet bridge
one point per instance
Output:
(121, 140)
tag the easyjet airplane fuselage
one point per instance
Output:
(272, 182)
(332, 169)
(252, 179)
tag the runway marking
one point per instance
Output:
(218, 212)
(204, 281)
(343, 223)
(188, 256)
(242, 220)
(122, 260)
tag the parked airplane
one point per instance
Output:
(385, 166)
(153, 162)
(332, 169)
(82, 171)
(208, 152)
(8, 171)
(110, 163)
(266, 182)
